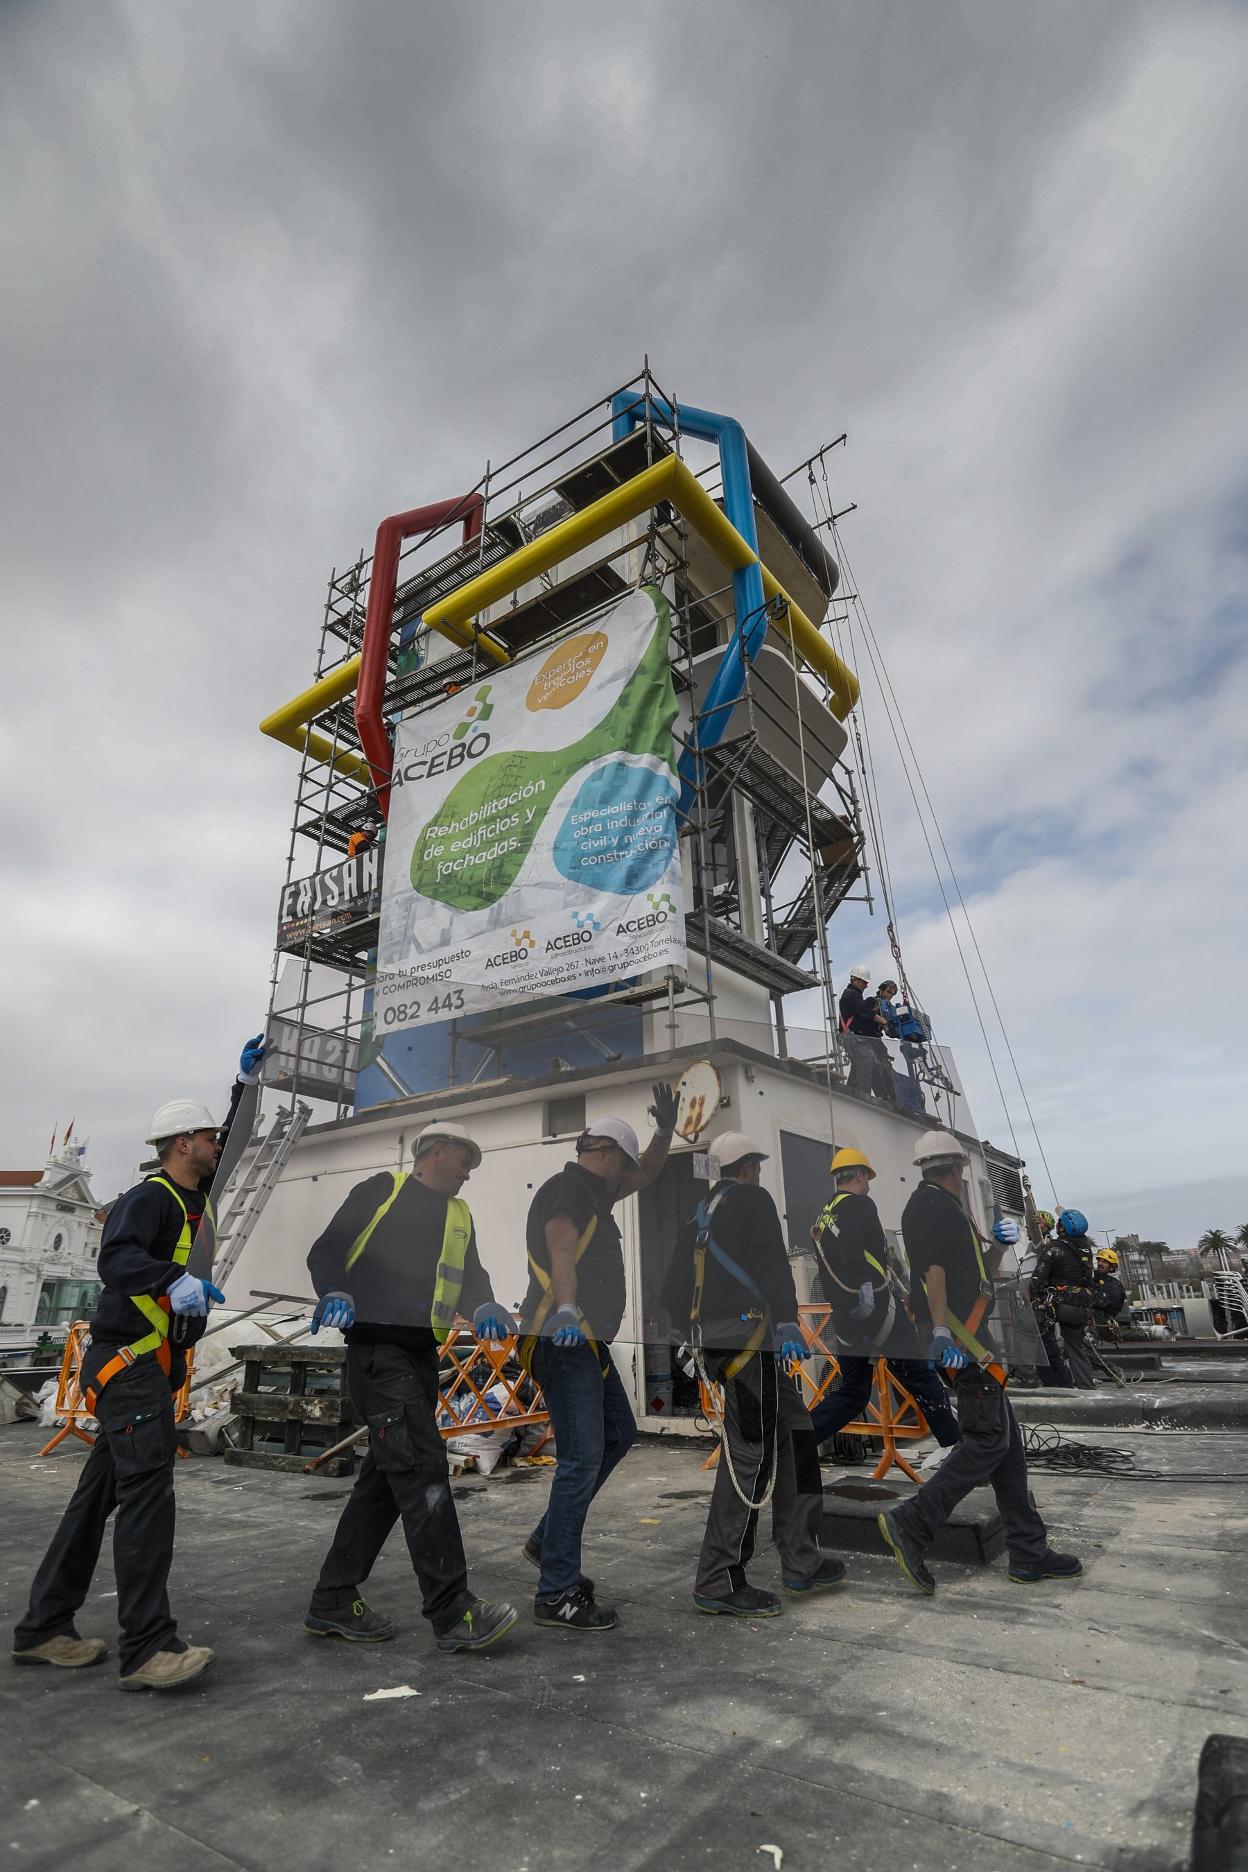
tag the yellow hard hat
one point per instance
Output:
(1046, 1218)
(1108, 1254)
(849, 1159)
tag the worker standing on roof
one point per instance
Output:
(864, 1027)
(396, 1265)
(1060, 1290)
(951, 1296)
(571, 1313)
(149, 1313)
(869, 1317)
(731, 1288)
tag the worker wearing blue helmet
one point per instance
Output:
(1061, 1290)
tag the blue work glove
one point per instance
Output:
(664, 1108)
(333, 1309)
(249, 1059)
(1006, 1232)
(945, 1353)
(491, 1321)
(189, 1295)
(567, 1328)
(789, 1342)
(866, 1303)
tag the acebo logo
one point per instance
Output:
(662, 910)
(467, 741)
(522, 946)
(478, 710)
(585, 927)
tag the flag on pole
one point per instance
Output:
(65, 1139)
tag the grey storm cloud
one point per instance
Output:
(273, 273)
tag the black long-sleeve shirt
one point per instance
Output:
(853, 1233)
(137, 1246)
(745, 1223)
(1109, 1296)
(391, 1283)
(939, 1233)
(1061, 1264)
(858, 1013)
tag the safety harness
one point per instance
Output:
(759, 1313)
(964, 1331)
(546, 1305)
(157, 1312)
(449, 1279)
(826, 1221)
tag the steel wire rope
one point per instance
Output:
(896, 714)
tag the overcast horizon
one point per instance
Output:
(275, 275)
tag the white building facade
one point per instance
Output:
(50, 1230)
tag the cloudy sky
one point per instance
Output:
(274, 272)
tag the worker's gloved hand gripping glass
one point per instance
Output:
(566, 1328)
(664, 1107)
(188, 1295)
(866, 1303)
(253, 1052)
(1006, 1231)
(789, 1343)
(945, 1353)
(491, 1321)
(333, 1309)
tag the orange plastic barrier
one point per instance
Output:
(893, 1414)
(72, 1406)
(462, 1351)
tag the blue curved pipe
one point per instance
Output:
(628, 410)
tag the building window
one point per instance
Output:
(565, 1116)
(58, 1242)
(5, 1237)
(4, 1294)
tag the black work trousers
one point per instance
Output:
(405, 1477)
(851, 1397)
(990, 1450)
(767, 1424)
(130, 1469)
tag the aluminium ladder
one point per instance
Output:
(245, 1200)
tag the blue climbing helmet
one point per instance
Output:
(1073, 1222)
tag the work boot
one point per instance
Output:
(481, 1626)
(357, 1623)
(1054, 1566)
(169, 1670)
(67, 1651)
(907, 1552)
(746, 1602)
(831, 1573)
(572, 1611)
(533, 1554)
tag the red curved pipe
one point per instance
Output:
(379, 621)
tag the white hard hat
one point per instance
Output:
(619, 1131)
(731, 1147)
(177, 1116)
(447, 1134)
(935, 1145)
(860, 974)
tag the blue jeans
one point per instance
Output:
(847, 1403)
(594, 1430)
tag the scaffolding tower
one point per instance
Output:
(772, 839)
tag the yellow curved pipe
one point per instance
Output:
(666, 480)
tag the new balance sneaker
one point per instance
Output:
(481, 1626)
(746, 1602)
(533, 1554)
(907, 1552)
(1054, 1566)
(574, 1611)
(67, 1651)
(357, 1623)
(831, 1573)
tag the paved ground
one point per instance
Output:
(992, 1729)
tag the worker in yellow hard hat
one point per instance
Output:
(868, 1308)
(1109, 1296)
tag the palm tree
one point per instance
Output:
(1241, 1237)
(1214, 1241)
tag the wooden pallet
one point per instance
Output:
(293, 1404)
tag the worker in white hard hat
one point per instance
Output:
(863, 1027)
(952, 1298)
(730, 1289)
(570, 1315)
(394, 1269)
(150, 1310)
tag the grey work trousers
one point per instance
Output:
(991, 1450)
(870, 1068)
(762, 1408)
